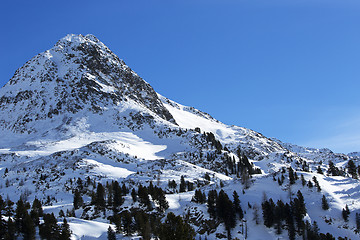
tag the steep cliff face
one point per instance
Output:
(79, 74)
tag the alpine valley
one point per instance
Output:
(89, 150)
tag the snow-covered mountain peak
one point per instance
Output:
(79, 74)
(75, 119)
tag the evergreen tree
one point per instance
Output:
(357, 221)
(299, 210)
(144, 196)
(332, 170)
(161, 200)
(317, 185)
(303, 181)
(291, 176)
(11, 230)
(134, 195)
(36, 211)
(319, 170)
(225, 211)
(211, 202)
(49, 229)
(109, 193)
(111, 234)
(172, 184)
(28, 227)
(124, 189)
(346, 213)
(100, 197)
(20, 214)
(78, 200)
(279, 215)
(237, 205)
(352, 169)
(9, 210)
(182, 184)
(174, 228)
(198, 197)
(142, 222)
(268, 208)
(290, 222)
(324, 203)
(118, 199)
(65, 231)
(126, 220)
(310, 184)
(2, 221)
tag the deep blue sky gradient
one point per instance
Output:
(288, 69)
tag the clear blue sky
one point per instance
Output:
(288, 69)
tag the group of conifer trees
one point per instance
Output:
(142, 219)
(352, 169)
(149, 225)
(23, 220)
(280, 215)
(220, 207)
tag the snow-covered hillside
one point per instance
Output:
(75, 118)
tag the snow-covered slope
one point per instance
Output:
(77, 111)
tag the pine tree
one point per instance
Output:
(290, 222)
(100, 197)
(78, 201)
(268, 208)
(28, 227)
(198, 196)
(211, 202)
(9, 210)
(11, 230)
(303, 181)
(291, 176)
(126, 220)
(124, 189)
(172, 184)
(182, 184)
(118, 199)
(319, 170)
(36, 212)
(134, 195)
(299, 210)
(174, 228)
(225, 211)
(20, 214)
(49, 229)
(324, 203)
(317, 185)
(346, 213)
(111, 234)
(144, 196)
(161, 200)
(237, 205)
(332, 170)
(65, 231)
(279, 215)
(357, 221)
(352, 169)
